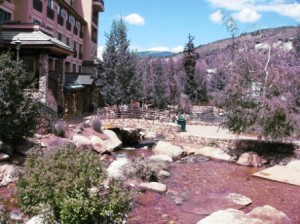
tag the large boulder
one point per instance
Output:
(215, 153)
(7, 174)
(58, 142)
(36, 220)
(82, 142)
(98, 144)
(113, 142)
(250, 159)
(259, 215)
(166, 148)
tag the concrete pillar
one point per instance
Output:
(60, 86)
(43, 77)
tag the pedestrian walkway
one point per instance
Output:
(212, 131)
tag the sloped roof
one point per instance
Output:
(33, 38)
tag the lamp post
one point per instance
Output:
(18, 47)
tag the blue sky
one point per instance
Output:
(164, 25)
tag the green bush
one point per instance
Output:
(19, 112)
(66, 185)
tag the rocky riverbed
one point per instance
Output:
(192, 187)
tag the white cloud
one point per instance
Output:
(100, 52)
(216, 17)
(135, 19)
(240, 7)
(177, 49)
(164, 48)
(247, 16)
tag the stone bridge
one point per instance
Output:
(160, 122)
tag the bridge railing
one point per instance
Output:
(135, 115)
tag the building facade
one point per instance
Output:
(57, 38)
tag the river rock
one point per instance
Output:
(115, 169)
(154, 186)
(295, 165)
(7, 174)
(36, 220)
(164, 158)
(3, 157)
(98, 144)
(113, 142)
(163, 174)
(250, 159)
(166, 148)
(215, 153)
(82, 142)
(269, 215)
(259, 215)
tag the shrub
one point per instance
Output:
(66, 185)
(59, 128)
(96, 124)
(19, 112)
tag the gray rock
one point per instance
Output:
(4, 157)
(215, 153)
(113, 142)
(166, 148)
(154, 186)
(163, 174)
(98, 144)
(269, 215)
(82, 142)
(7, 174)
(36, 220)
(164, 158)
(250, 159)
(115, 169)
(259, 215)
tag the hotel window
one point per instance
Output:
(59, 36)
(50, 4)
(60, 11)
(4, 16)
(74, 67)
(68, 41)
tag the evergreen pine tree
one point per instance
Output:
(189, 65)
(118, 77)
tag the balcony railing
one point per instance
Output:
(50, 13)
(69, 26)
(16, 25)
(60, 20)
(38, 5)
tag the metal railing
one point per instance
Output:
(131, 115)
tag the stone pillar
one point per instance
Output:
(43, 77)
(60, 86)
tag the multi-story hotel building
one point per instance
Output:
(58, 46)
